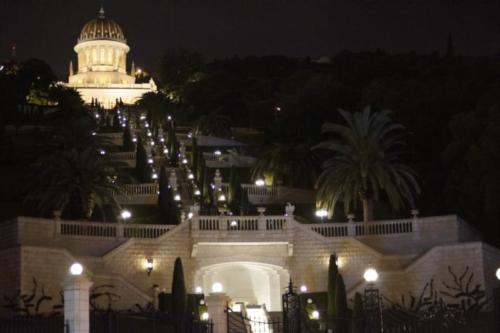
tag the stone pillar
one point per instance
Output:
(216, 308)
(76, 303)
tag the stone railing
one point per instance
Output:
(274, 194)
(376, 228)
(123, 156)
(146, 193)
(110, 230)
(228, 160)
(239, 223)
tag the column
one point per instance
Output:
(76, 303)
(216, 308)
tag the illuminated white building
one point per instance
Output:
(102, 65)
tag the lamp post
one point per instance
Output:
(321, 213)
(372, 304)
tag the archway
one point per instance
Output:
(250, 283)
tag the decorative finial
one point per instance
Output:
(101, 12)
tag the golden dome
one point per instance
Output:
(102, 28)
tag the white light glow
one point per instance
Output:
(370, 275)
(184, 161)
(177, 197)
(154, 176)
(134, 139)
(125, 214)
(190, 215)
(76, 269)
(197, 192)
(217, 287)
(205, 316)
(165, 151)
(321, 213)
(498, 273)
(217, 153)
(190, 176)
(234, 223)
(222, 197)
(303, 288)
(315, 315)
(260, 182)
(198, 290)
(102, 152)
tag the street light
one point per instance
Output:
(303, 288)
(372, 306)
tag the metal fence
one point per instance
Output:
(31, 324)
(140, 323)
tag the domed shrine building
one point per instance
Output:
(102, 65)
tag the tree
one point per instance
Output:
(75, 183)
(367, 160)
(128, 144)
(358, 316)
(143, 169)
(166, 202)
(178, 68)
(179, 295)
(213, 124)
(294, 166)
(194, 156)
(158, 106)
(332, 281)
(341, 311)
(235, 191)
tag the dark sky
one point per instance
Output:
(48, 29)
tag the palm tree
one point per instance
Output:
(74, 182)
(158, 107)
(292, 165)
(213, 124)
(366, 161)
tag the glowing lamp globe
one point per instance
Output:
(498, 273)
(198, 290)
(370, 275)
(303, 288)
(76, 269)
(205, 316)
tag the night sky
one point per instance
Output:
(48, 29)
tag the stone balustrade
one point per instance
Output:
(274, 194)
(144, 193)
(228, 160)
(109, 230)
(123, 156)
(239, 223)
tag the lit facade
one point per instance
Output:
(102, 65)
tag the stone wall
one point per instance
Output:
(405, 262)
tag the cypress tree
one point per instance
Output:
(179, 295)
(142, 168)
(358, 317)
(116, 121)
(234, 193)
(341, 305)
(332, 279)
(128, 145)
(194, 155)
(245, 203)
(164, 200)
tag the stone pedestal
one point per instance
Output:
(76, 303)
(216, 306)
